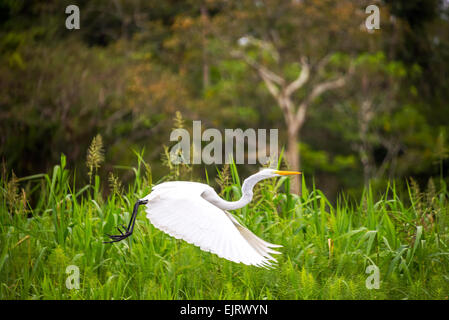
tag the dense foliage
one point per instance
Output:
(134, 63)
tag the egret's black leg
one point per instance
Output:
(133, 217)
(130, 229)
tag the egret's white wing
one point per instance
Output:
(178, 209)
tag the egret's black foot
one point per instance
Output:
(119, 237)
(125, 232)
(122, 229)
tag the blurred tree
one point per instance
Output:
(421, 40)
(58, 92)
(286, 44)
(373, 101)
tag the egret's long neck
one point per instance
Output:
(247, 195)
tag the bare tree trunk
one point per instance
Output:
(365, 117)
(294, 160)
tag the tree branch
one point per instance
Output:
(326, 86)
(318, 90)
(271, 80)
(301, 80)
(259, 68)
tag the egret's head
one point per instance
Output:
(249, 183)
(271, 173)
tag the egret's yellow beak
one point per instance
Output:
(287, 173)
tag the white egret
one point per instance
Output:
(194, 212)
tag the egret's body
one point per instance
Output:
(194, 212)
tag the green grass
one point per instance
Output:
(326, 248)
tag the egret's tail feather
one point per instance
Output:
(261, 246)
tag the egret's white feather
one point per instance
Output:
(178, 209)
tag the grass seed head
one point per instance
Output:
(95, 155)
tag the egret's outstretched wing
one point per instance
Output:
(178, 209)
